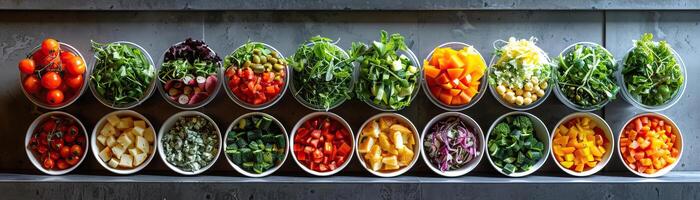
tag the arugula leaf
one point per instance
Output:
(122, 74)
(651, 73)
(585, 76)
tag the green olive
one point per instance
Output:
(278, 67)
(268, 66)
(258, 68)
(256, 51)
(256, 59)
(272, 60)
(274, 54)
(246, 64)
(263, 59)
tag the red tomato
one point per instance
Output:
(54, 97)
(321, 144)
(75, 65)
(49, 46)
(27, 66)
(48, 126)
(54, 155)
(72, 160)
(76, 150)
(51, 80)
(66, 56)
(74, 81)
(31, 84)
(61, 165)
(65, 152)
(48, 163)
(71, 134)
(56, 143)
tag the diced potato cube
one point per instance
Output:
(400, 128)
(106, 154)
(139, 159)
(108, 130)
(140, 123)
(102, 139)
(384, 142)
(376, 166)
(142, 144)
(134, 151)
(118, 151)
(113, 163)
(111, 141)
(390, 167)
(137, 131)
(126, 161)
(126, 122)
(149, 134)
(371, 130)
(366, 144)
(113, 120)
(124, 140)
(405, 156)
(397, 139)
(390, 160)
(151, 149)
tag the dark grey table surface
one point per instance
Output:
(21, 30)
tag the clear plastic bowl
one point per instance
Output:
(416, 149)
(33, 158)
(479, 136)
(628, 97)
(169, 123)
(557, 90)
(438, 103)
(308, 105)
(532, 105)
(269, 171)
(68, 101)
(676, 131)
(309, 117)
(600, 122)
(212, 95)
(416, 64)
(147, 94)
(95, 146)
(541, 133)
(267, 104)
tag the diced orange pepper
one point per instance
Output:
(455, 73)
(431, 71)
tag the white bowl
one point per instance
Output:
(416, 149)
(31, 155)
(267, 104)
(482, 86)
(149, 90)
(541, 133)
(481, 148)
(169, 124)
(600, 122)
(311, 116)
(68, 101)
(269, 171)
(95, 146)
(676, 131)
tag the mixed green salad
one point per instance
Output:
(122, 73)
(386, 80)
(586, 75)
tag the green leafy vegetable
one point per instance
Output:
(179, 69)
(122, 73)
(651, 73)
(191, 144)
(322, 73)
(386, 79)
(513, 146)
(585, 76)
(256, 144)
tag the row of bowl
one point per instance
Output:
(322, 143)
(180, 94)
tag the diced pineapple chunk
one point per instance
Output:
(149, 134)
(106, 154)
(390, 160)
(102, 139)
(113, 163)
(111, 141)
(126, 161)
(140, 123)
(142, 144)
(124, 140)
(397, 139)
(386, 122)
(113, 120)
(400, 128)
(405, 156)
(390, 167)
(366, 144)
(371, 130)
(134, 151)
(124, 123)
(384, 142)
(108, 130)
(138, 131)
(139, 159)
(118, 151)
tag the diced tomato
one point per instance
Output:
(344, 149)
(316, 133)
(301, 156)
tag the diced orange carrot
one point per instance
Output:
(455, 73)
(465, 98)
(445, 98)
(431, 71)
(442, 79)
(455, 92)
(471, 91)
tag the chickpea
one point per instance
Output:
(528, 86)
(543, 85)
(534, 89)
(519, 100)
(510, 94)
(534, 98)
(501, 89)
(527, 101)
(535, 80)
(540, 93)
(518, 92)
(510, 99)
(527, 95)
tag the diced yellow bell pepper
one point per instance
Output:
(567, 164)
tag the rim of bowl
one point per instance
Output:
(171, 120)
(606, 130)
(306, 104)
(334, 117)
(212, 95)
(471, 165)
(149, 91)
(557, 90)
(80, 93)
(545, 154)
(416, 149)
(678, 134)
(416, 63)
(532, 105)
(30, 131)
(482, 85)
(95, 149)
(631, 100)
(267, 104)
(269, 171)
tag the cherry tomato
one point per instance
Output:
(48, 126)
(48, 163)
(76, 150)
(56, 143)
(80, 140)
(71, 134)
(72, 160)
(62, 164)
(49, 46)
(65, 152)
(38, 56)
(54, 97)
(42, 149)
(51, 61)
(51, 80)
(54, 155)
(66, 56)
(74, 81)
(75, 65)
(27, 66)
(31, 84)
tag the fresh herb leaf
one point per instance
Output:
(585, 76)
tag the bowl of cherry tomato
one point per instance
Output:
(56, 143)
(322, 143)
(256, 75)
(53, 75)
